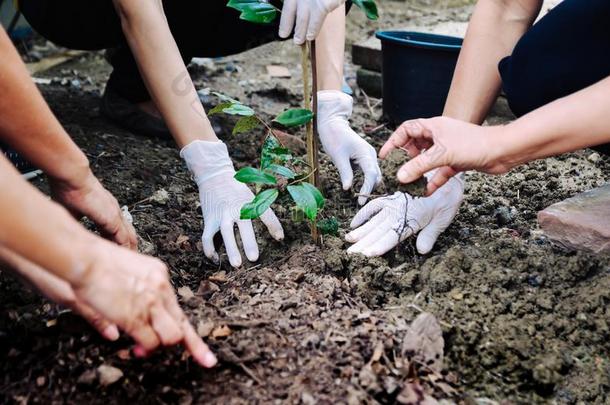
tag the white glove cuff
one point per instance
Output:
(207, 160)
(334, 104)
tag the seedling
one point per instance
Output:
(305, 191)
(280, 172)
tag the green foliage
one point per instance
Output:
(328, 226)
(260, 204)
(231, 107)
(294, 117)
(254, 176)
(282, 171)
(255, 11)
(274, 153)
(369, 7)
(246, 124)
(306, 199)
(276, 160)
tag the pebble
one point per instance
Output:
(594, 157)
(108, 375)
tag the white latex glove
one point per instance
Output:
(221, 199)
(306, 17)
(343, 145)
(393, 219)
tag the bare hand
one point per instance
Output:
(133, 291)
(448, 144)
(90, 199)
(58, 291)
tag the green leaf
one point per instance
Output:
(328, 226)
(259, 205)
(294, 117)
(369, 7)
(239, 109)
(304, 200)
(225, 99)
(246, 124)
(317, 195)
(252, 175)
(220, 108)
(255, 11)
(273, 152)
(282, 171)
(262, 13)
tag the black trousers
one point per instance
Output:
(564, 52)
(202, 28)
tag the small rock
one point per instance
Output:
(108, 375)
(160, 196)
(594, 157)
(87, 377)
(145, 247)
(580, 222)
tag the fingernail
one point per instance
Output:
(349, 238)
(402, 176)
(139, 351)
(111, 333)
(209, 360)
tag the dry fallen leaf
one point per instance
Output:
(424, 342)
(204, 329)
(181, 239)
(278, 71)
(186, 293)
(221, 331)
(220, 277)
(413, 394)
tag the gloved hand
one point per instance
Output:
(393, 219)
(343, 145)
(221, 200)
(309, 16)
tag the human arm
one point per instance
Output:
(493, 31)
(167, 80)
(339, 140)
(570, 123)
(34, 132)
(124, 287)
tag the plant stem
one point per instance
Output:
(311, 152)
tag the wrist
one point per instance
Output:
(207, 159)
(73, 173)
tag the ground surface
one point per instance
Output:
(523, 321)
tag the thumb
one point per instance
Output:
(421, 164)
(428, 236)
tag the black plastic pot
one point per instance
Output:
(417, 72)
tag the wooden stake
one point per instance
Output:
(312, 160)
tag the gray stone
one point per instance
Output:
(370, 82)
(581, 222)
(367, 54)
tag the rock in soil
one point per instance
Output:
(580, 222)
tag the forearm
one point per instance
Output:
(35, 228)
(570, 123)
(494, 29)
(163, 70)
(28, 125)
(330, 48)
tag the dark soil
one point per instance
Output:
(523, 321)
